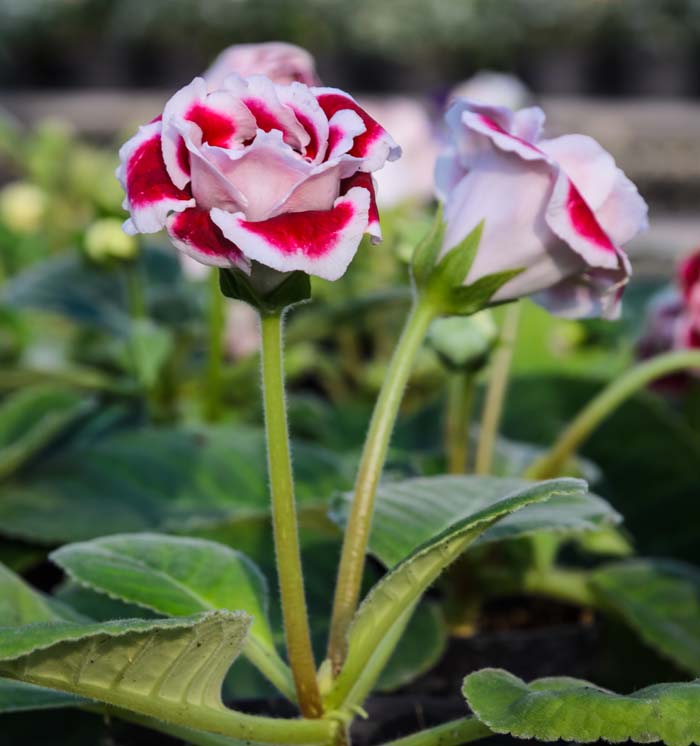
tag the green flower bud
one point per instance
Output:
(464, 342)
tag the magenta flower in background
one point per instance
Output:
(673, 318)
(558, 208)
(279, 174)
(277, 60)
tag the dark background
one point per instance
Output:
(601, 47)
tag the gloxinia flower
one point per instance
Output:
(279, 174)
(277, 60)
(673, 317)
(559, 209)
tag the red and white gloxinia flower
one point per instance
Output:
(558, 208)
(673, 318)
(278, 174)
(277, 60)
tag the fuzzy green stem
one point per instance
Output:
(454, 733)
(604, 404)
(215, 352)
(460, 397)
(284, 520)
(352, 559)
(496, 392)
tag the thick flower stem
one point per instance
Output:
(606, 402)
(352, 559)
(215, 352)
(460, 396)
(496, 392)
(454, 733)
(284, 519)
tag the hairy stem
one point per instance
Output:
(284, 519)
(215, 351)
(460, 396)
(604, 404)
(496, 392)
(352, 559)
(454, 733)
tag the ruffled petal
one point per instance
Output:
(344, 126)
(570, 217)
(618, 206)
(261, 98)
(595, 293)
(375, 145)
(264, 173)
(513, 133)
(366, 181)
(150, 194)
(319, 242)
(302, 102)
(218, 119)
(194, 233)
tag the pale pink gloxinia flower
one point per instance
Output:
(277, 60)
(278, 174)
(559, 208)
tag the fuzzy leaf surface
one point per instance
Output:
(573, 710)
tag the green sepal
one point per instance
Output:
(468, 299)
(426, 253)
(452, 270)
(267, 290)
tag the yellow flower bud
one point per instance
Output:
(105, 239)
(22, 207)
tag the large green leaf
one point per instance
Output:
(574, 710)
(179, 576)
(170, 669)
(31, 418)
(660, 599)
(387, 603)
(20, 604)
(16, 696)
(649, 457)
(421, 646)
(409, 513)
(97, 296)
(158, 479)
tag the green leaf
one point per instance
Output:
(178, 577)
(148, 349)
(20, 604)
(418, 568)
(409, 513)
(31, 418)
(16, 696)
(170, 669)
(421, 646)
(660, 599)
(574, 710)
(95, 296)
(649, 458)
(183, 480)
